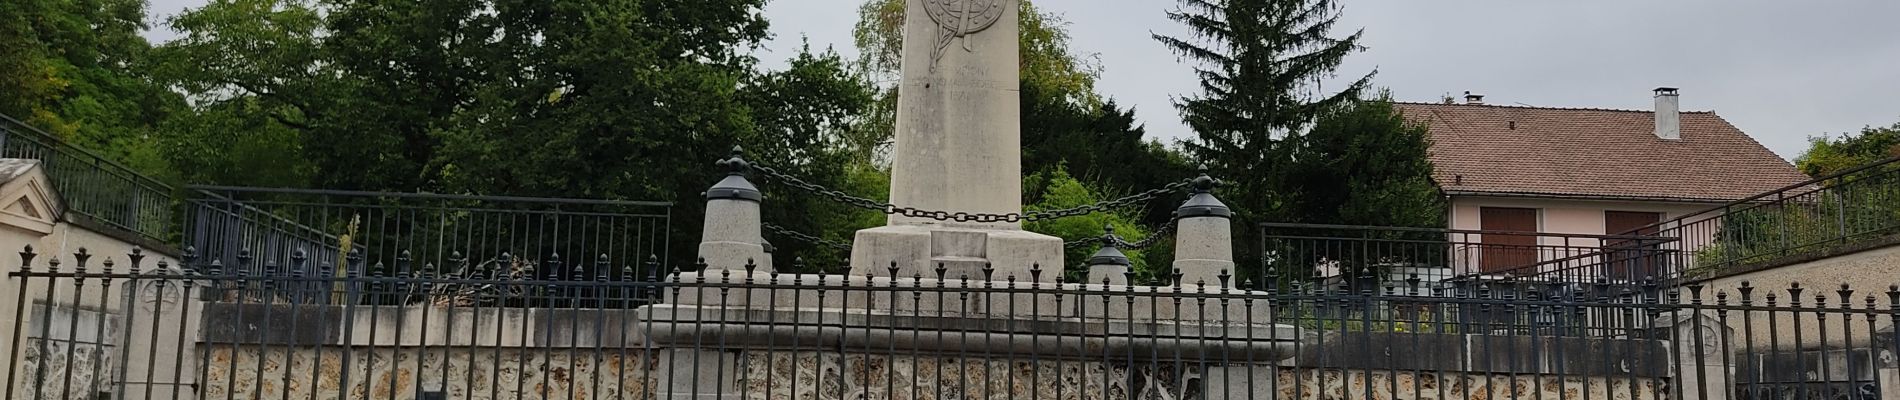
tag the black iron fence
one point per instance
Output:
(93, 186)
(1374, 257)
(1842, 210)
(137, 329)
(339, 233)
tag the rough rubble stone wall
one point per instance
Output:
(1328, 384)
(384, 373)
(61, 370)
(830, 376)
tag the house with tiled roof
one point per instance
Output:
(1579, 171)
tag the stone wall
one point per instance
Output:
(831, 376)
(69, 353)
(1332, 384)
(394, 373)
(1868, 270)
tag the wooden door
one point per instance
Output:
(1505, 251)
(1631, 259)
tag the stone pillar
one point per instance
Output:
(1109, 265)
(1204, 237)
(958, 140)
(958, 151)
(1697, 340)
(732, 234)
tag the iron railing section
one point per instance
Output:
(368, 232)
(1856, 207)
(207, 332)
(94, 186)
(1371, 257)
(1839, 210)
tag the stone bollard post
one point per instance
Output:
(732, 237)
(1697, 353)
(1109, 265)
(1204, 238)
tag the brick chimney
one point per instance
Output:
(1668, 114)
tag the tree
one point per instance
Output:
(1362, 163)
(1261, 62)
(1063, 191)
(615, 99)
(77, 70)
(1292, 150)
(1828, 155)
(1102, 146)
(805, 115)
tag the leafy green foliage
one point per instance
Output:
(1363, 164)
(1260, 62)
(76, 69)
(1060, 190)
(1291, 151)
(1845, 211)
(614, 99)
(1828, 155)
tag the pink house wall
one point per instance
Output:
(1558, 216)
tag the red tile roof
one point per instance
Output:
(1594, 153)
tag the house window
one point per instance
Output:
(1510, 240)
(1631, 257)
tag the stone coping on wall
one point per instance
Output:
(418, 325)
(759, 290)
(847, 329)
(1480, 353)
(1824, 252)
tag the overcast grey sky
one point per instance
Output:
(1780, 70)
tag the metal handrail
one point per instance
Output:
(91, 185)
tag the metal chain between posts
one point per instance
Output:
(795, 235)
(1153, 238)
(913, 212)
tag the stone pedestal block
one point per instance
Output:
(918, 250)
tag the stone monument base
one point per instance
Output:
(918, 250)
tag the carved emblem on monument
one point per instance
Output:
(959, 18)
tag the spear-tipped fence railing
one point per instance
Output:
(1851, 210)
(129, 326)
(91, 185)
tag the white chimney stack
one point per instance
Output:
(1474, 99)
(1668, 114)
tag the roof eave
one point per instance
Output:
(1576, 196)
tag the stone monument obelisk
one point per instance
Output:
(958, 149)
